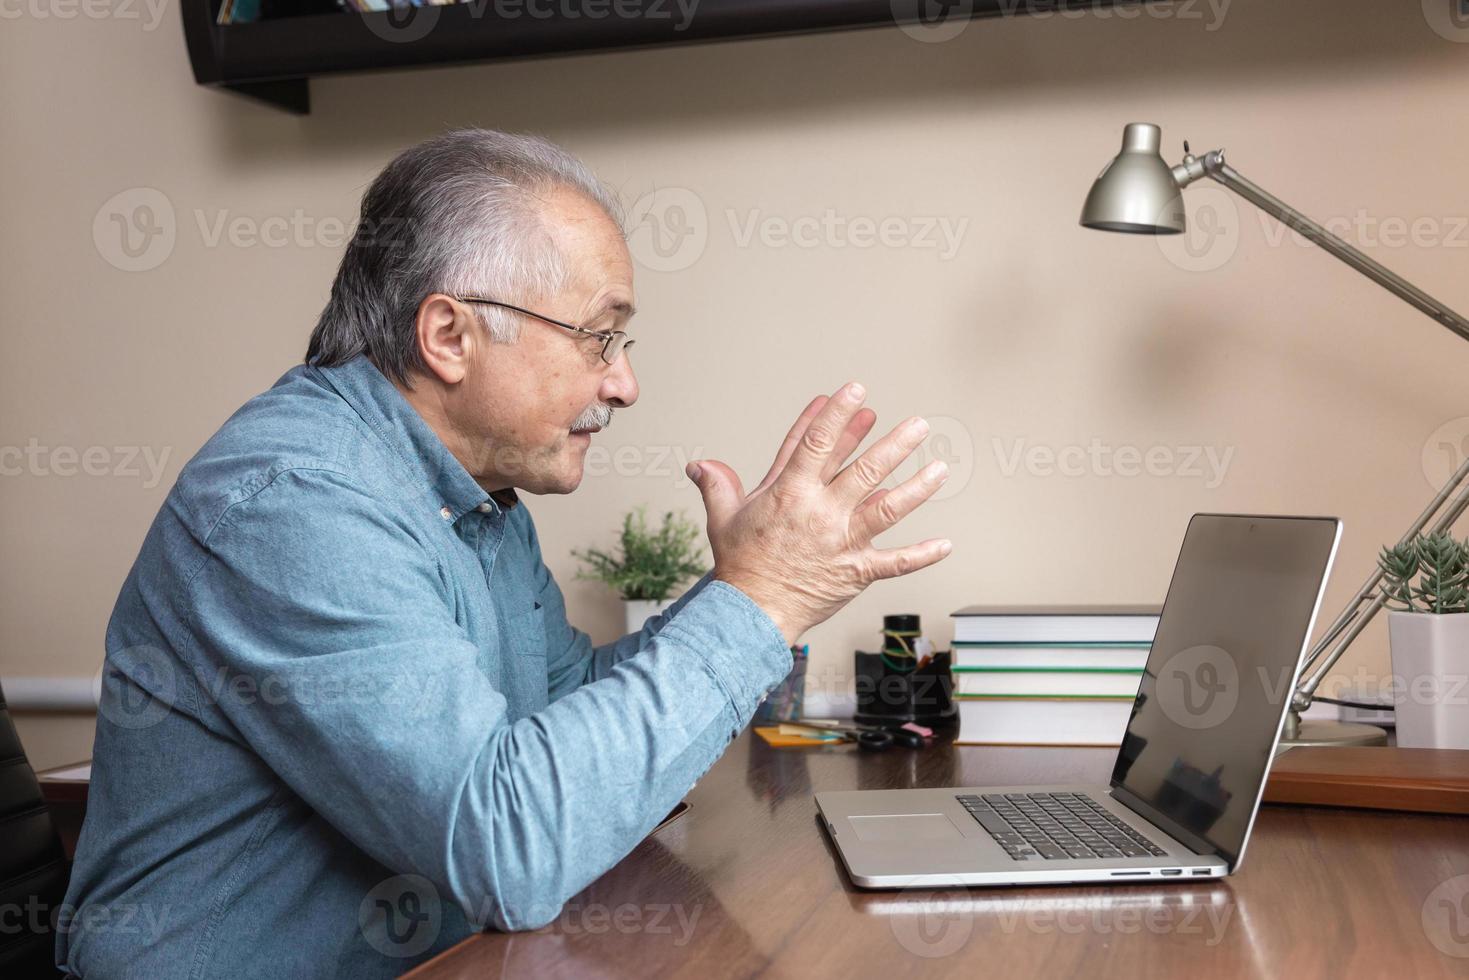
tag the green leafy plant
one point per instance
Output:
(649, 564)
(1440, 566)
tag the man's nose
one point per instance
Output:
(620, 386)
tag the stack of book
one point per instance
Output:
(1049, 675)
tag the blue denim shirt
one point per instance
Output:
(344, 721)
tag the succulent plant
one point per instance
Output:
(1440, 566)
(649, 564)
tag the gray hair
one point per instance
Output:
(459, 213)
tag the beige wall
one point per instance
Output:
(1326, 391)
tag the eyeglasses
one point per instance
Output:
(614, 342)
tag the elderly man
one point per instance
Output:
(344, 721)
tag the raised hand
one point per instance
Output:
(800, 543)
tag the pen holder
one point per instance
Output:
(888, 694)
(785, 702)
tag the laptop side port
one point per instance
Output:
(1201, 871)
(1172, 871)
(1130, 874)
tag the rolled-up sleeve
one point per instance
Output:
(367, 701)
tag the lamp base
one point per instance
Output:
(1327, 733)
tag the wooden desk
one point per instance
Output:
(747, 883)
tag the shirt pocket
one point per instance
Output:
(526, 632)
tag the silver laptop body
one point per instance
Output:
(1192, 765)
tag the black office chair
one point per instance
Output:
(33, 867)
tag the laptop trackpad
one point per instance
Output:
(905, 827)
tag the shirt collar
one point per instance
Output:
(398, 424)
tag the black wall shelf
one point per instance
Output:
(273, 60)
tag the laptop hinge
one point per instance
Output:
(1167, 824)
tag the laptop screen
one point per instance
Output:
(1221, 670)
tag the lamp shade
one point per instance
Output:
(1136, 192)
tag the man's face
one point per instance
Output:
(527, 411)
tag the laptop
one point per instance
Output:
(1191, 767)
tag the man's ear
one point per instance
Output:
(445, 335)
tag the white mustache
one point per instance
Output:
(595, 417)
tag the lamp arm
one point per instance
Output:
(1354, 618)
(1367, 600)
(1212, 165)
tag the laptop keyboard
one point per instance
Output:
(1054, 826)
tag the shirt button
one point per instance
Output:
(485, 507)
(446, 513)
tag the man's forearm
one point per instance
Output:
(558, 798)
(609, 655)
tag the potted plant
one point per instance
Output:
(1426, 587)
(648, 565)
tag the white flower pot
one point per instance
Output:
(637, 611)
(1430, 665)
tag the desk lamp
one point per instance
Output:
(1139, 193)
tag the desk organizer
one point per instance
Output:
(889, 694)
